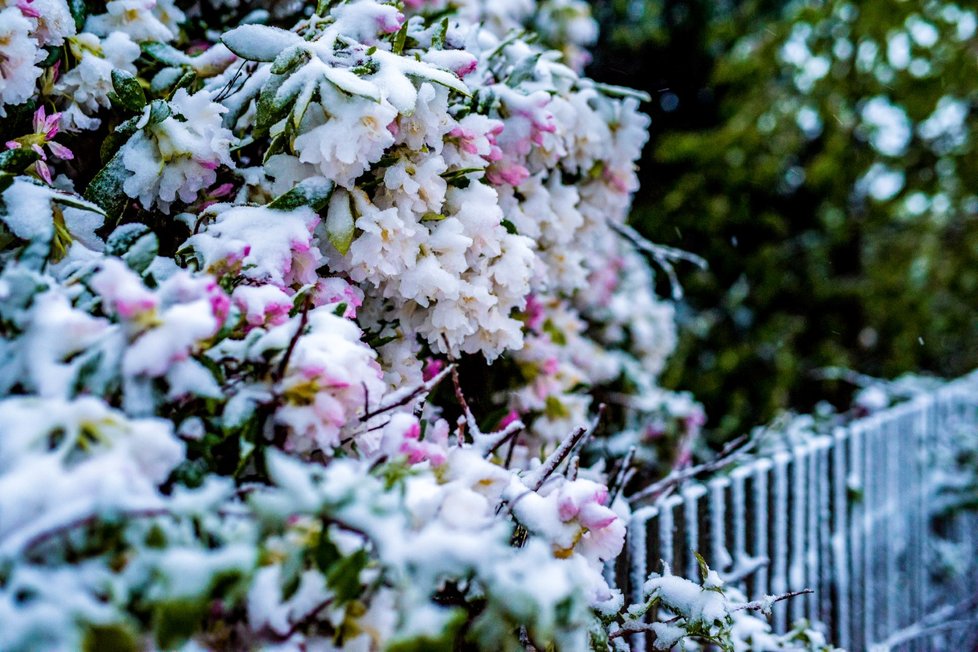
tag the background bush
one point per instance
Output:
(821, 157)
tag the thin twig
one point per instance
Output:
(303, 321)
(638, 627)
(407, 397)
(765, 605)
(619, 481)
(663, 255)
(537, 477)
(728, 455)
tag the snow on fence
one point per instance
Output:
(857, 516)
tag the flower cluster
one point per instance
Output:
(236, 296)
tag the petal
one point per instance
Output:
(39, 116)
(43, 171)
(61, 151)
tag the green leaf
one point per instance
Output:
(124, 237)
(16, 160)
(621, 91)
(270, 107)
(128, 93)
(142, 254)
(166, 54)
(175, 621)
(441, 32)
(79, 11)
(400, 39)
(289, 59)
(525, 70)
(106, 191)
(109, 638)
(339, 222)
(313, 192)
(344, 575)
(185, 80)
(704, 569)
(259, 42)
(159, 111)
(53, 54)
(116, 138)
(326, 553)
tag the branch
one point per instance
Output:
(764, 605)
(303, 320)
(663, 256)
(732, 451)
(637, 626)
(621, 478)
(399, 400)
(537, 477)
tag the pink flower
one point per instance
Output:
(123, 292)
(511, 417)
(432, 368)
(390, 23)
(26, 9)
(335, 290)
(45, 129)
(507, 173)
(583, 502)
(402, 435)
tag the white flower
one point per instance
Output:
(269, 246)
(86, 87)
(20, 53)
(344, 135)
(52, 20)
(177, 158)
(141, 20)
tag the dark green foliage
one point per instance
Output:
(807, 269)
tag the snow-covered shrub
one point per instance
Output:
(245, 250)
(691, 615)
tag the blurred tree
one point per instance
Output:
(823, 157)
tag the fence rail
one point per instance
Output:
(858, 516)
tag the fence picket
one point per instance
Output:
(850, 515)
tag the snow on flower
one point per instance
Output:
(18, 69)
(241, 325)
(87, 85)
(177, 157)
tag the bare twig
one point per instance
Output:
(493, 440)
(400, 399)
(728, 455)
(573, 467)
(306, 620)
(537, 477)
(638, 627)
(663, 256)
(303, 321)
(764, 605)
(620, 478)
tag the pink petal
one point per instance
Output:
(51, 122)
(13, 144)
(39, 116)
(27, 10)
(61, 151)
(43, 171)
(40, 152)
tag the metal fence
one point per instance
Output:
(858, 516)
